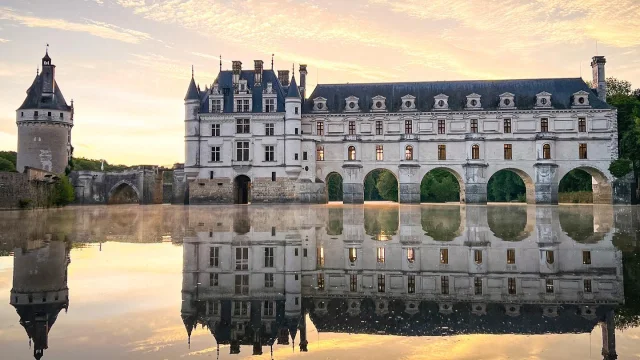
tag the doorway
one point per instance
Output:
(242, 189)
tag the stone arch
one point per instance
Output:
(601, 183)
(242, 189)
(333, 195)
(368, 176)
(122, 193)
(451, 171)
(529, 184)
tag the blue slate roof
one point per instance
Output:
(225, 84)
(525, 91)
(35, 100)
(192, 91)
(293, 91)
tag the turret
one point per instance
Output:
(293, 128)
(192, 130)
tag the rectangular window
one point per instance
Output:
(586, 257)
(507, 126)
(269, 129)
(213, 279)
(442, 152)
(269, 153)
(215, 129)
(380, 255)
(273, 176)
(304, 252)
(582, 125)
(411, 255)
(268, 280)
(35, 113)
(320, 281)
(320, 256)
(295, 131)
(215, 153)
(441, 129)
(474, 125)
(511, 256)
(268, 257)
(444, 256)
(214, 256)
(49, 113)
(243, 126)
(550, 256)
(507, 152)
(242, 285)
(242, 258)
(352, 127)
(587, 285)
(295, 156)
(381, 285)
(61, 116)
(268, 308)
(304, 155)
(216, 106)
(238, 105)
(211, 175)
(477, 256)
(477, 286)
(353, 282)
(240, 308)
(296, 110)
(583, 151)
(379, 153)
(242, 151)
(320, 128)
(511, 286)
(544, 125)
(408, 127)
(411, 284)
(444, 285)
(214, 307)
(379, 127)
(246, 107)
(320, 153)
(549, 286)
(269, 105)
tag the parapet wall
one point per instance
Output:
(33, 188)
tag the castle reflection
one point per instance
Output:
(253, 276)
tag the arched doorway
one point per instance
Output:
(585, 185)
(441, 185)
(333, 187)
(381, 185)
(123, 193)
(242, 189)
(511, 185)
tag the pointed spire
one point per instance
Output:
(38, 70)
(192, 71)
(293, 92)
(192, 92)
(272, 55)
(220, 63)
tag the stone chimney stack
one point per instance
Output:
(599, 79)
(236, 67)
(303, 80)
(258, 66)
(283, 77)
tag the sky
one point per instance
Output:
(127, 63)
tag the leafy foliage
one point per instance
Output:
(6, 165)
(12, 156)
(387, 186)
(507, 186)
(63, 193)
(439, 186)
(334, 187)
(620, 167)
(370, 186)
(617, 87)
(575, 180)
(94, 165)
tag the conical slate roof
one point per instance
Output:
(192, 91)
(293, 92)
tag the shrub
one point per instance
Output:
(63, 193)
(6, 165)
(620, 167)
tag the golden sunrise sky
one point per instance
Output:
(127, 63)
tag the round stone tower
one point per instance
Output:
(44, 124)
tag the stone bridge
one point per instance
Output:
(142, 185)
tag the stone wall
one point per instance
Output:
(283, 190)
(263, 190)
(96, 187)
(211, 191)
(28, 188)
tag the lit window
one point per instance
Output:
(380, 255)
(511, 282)
(411, 284)
(351, 153)
(408, 153)
(320, 128)
(442, 152)
(507, 152)
(549, 255)
(586, 257)
(546, 151)
(444, 256)
(583, 151)
(511, 256)
(379, 153)
(320, 256)
(353, 255)
(477, 256)
(320, 281)
(411, 255)
(544, 125)
(320, 153)
(475, 152)
(381, 283)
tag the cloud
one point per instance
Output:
(95, 28)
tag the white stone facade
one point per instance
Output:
(539, 129)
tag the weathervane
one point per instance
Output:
(220, 62)
(272, 55)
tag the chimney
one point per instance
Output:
(599, 79)
(258, 65)
(283, 77)
(303, 80)
(236, 67)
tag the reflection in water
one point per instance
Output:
(254, 276)
(442, 223)
(508, 225)
(578, 223)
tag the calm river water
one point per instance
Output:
(379, 281)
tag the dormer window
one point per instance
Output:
(216, 105)
(269, 88)
(408, 103)
(473, 102)
(581, 99)
(543, 100)
(352, 104)
(441, 102)
(243, 88)
(378, 103)
(507, 101)
(320, 104)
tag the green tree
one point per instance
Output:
(617, 87)
(370, 186)
(63, 192)
(439, 186)
(6, 165)
(334, 187)
(12, 156)
(505, 185)
(387, 186)
(575, 180)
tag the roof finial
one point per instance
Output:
(37, 70)
(47, 50)
(272, 55)
(192, 71)
(293, 68)
(220, 62)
